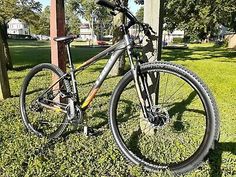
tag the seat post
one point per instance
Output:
(69, 56)
(72, 72)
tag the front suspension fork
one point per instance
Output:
(144, 95)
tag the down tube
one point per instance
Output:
(118, 51)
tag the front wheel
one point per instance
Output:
(182, 123)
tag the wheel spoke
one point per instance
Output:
(175, 128)
(43, 104)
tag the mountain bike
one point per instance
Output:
(162, 116)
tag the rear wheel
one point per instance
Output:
(43, 109)
(182, 123)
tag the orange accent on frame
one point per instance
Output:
(86, 63)
(90, 98)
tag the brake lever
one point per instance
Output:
(152, 30)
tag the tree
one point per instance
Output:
(26, 10)
(201, 17)
(91, 12)
(72, 21)
(139, 2)
(227, 14)
(43, 25)
(103, 20)
(140, 14)
(5, 13)
(4, 82)
(72, 17)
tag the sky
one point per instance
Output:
(45, 2)
(134, 7)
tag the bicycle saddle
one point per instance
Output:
(65, 39)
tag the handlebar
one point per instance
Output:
(106, 3)
(133, 20)
(120, 8)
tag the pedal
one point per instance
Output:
(88, 131)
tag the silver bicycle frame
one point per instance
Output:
(116, 51)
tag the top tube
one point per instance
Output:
(118, 46)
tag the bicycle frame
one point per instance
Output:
(116, 51)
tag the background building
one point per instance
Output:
(168, 37)
(16, 26)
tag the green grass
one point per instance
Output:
(23, 154)
(26, 53)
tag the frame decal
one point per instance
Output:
(117, 50)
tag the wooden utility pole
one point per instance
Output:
(153, 15)
(4, 82)
(57, 29)
(118, 68)
(118, 20)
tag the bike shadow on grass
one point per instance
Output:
(177, 110)
(216, 157)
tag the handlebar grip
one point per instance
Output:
(106, 3)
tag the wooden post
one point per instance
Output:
(153, 15)
(118, 68)
(57, 29)
(4, 82)
(119, 19)
(231, 39)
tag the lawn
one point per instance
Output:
(23, 154)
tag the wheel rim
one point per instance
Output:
(41, 120)
(179, 140)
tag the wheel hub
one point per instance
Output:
(35, 107)
(158, 116)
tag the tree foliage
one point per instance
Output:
(26, 10)
(141, 2)
(92, 12)
(72, 19)
(73, 12)
(140, 14)
(200, 16)
(43, 25)
(102, 17)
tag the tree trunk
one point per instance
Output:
(3, 33)
(4, 82)
(118, 68)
